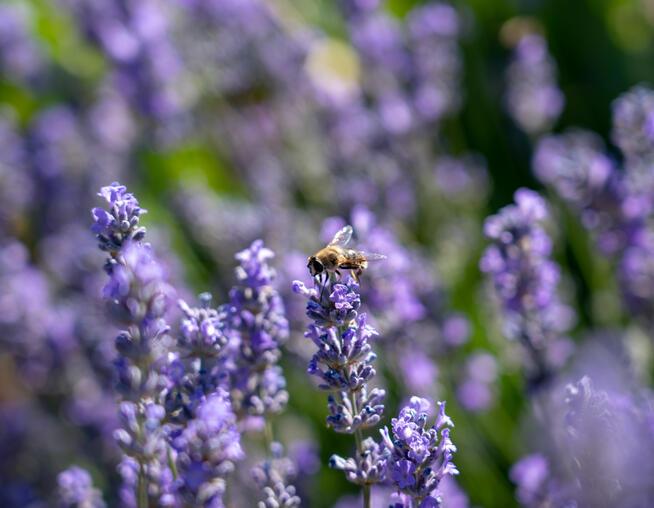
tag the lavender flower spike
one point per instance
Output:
(207, 448)
(119, 224)
(525, 279)
(257, 315)
(420, 456)
(139, 297)
(76, 490)
(343, 364)
(272, 477)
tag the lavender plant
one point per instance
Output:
(420, 456)
(343, 366)
(533, 98)
(76, 489)
(139, 298)
(525, 280)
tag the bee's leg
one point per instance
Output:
(338, 274)
(323, 283)
(355, 275)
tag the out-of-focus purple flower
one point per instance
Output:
(257, 315)
(76, 489)
(531, 474)
(272, 477)
(525, 278)
(20, 57)
(206, 451)
(419, 371)
(475, 393)
(577, 167)
(633, 124)
(621, 423)
(16, 188)
(462, 179)
(137, 38)
(420, 455)
(533, 98)
(456, 330)
(433, 32)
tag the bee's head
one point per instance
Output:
(315, 266)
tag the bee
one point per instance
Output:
(335, 257)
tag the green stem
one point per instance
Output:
(358, 439)
(142, 486)
(268, 435)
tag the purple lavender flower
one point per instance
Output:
(620, 422)
(525, 278)
(20, 57)
(434, 30)
(203, 359)
(140, 298)
(633, 124)
(147, 68)
(76, 489)
(343, 364)
(531, 474)
(475, 393)
(207, 448)
(272, 477)
(420, 456)
(533, 99)
(577, 167)
(120, 223)
(257, 315)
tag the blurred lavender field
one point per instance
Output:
(166, 168)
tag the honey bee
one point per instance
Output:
(335, 256)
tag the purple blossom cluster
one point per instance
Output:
(420, 455)
(533, 98)
(615, 206)
(257, 315)
(525, 279)
(574, 471)
(207, 448)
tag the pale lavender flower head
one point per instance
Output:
(533, 98)
(633, 124)
(206, 451)
(420, 455)
(76, 489)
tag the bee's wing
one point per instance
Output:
(373, 256)
(343, 237)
